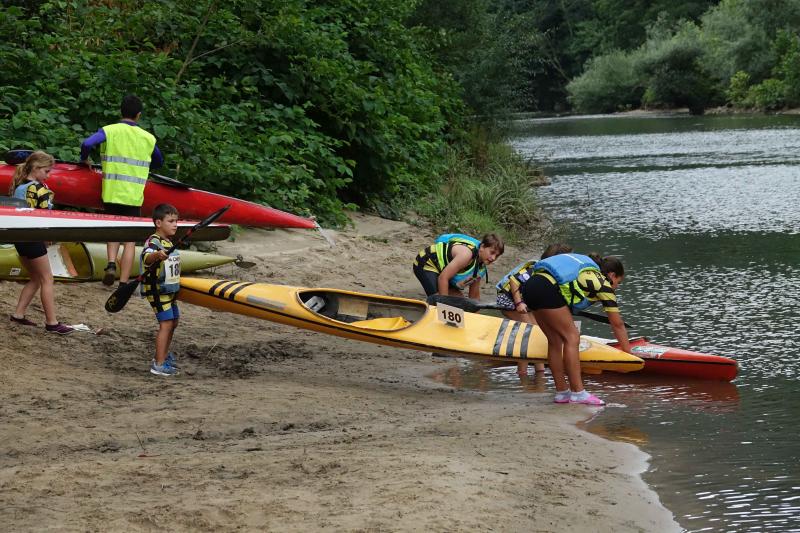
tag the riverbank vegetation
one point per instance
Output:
(318, 107)
(309, 107)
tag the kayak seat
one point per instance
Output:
(316, 303)
(384, 324)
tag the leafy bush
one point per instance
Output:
(671, 66)
(737, 90)
(767, 95)
(609, 83)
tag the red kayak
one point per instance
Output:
(664, 360)
(79, 186)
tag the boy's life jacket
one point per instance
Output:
(167, 279)
(522, 273)
(443, 246)
(565, 269)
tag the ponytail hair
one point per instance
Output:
(609, 263)
(557, 248)
(494, 241)
(37, 159)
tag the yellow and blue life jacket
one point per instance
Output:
(438, 255)
(167, 278)
(565, 269)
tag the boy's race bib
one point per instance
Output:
(172, 270)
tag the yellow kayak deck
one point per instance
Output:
(392, 321)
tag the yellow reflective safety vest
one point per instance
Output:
(125, 158)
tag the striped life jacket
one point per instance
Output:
(565, 269)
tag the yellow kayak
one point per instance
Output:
(400, 322)
(89, 260)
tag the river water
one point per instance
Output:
(705, 212)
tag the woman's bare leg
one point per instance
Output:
(562, 340)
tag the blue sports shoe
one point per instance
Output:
(162, 370)
(171, 361)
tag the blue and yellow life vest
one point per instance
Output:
(444, 246)
(167, 279)
(565, 269)
(438, 255)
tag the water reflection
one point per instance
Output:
(631, 390)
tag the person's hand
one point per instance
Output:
(161, 255)
(521, 307)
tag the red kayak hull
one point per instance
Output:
(80, 186)
(664, 360)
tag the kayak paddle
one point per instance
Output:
(473, 306)
(120, 297)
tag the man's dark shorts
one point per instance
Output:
(123, 210)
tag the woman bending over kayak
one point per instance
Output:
(559, 285)
(456, 261)
(509, 298)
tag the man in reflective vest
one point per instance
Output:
(126, 152)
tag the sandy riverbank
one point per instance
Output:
(272, 428)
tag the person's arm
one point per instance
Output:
(620, 332)
(157, 158)
(462, 256)
(154, 251)
(516, 295)
(96, 138)
(474, 291)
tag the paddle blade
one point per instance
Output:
(120, 297)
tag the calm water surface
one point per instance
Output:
(705, 213)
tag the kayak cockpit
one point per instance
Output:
(364, 311)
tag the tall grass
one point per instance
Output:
(487, 188)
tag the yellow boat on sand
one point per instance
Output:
(391, 321)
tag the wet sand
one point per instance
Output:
(274, 428)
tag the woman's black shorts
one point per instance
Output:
(31, 250)
(539, 293)
(428, 279)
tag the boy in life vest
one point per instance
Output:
(161, 283)
(126, 154)
(455, 262)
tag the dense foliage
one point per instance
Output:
(610, 55)
(302, 105)
(740, 53)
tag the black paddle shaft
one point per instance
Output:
(473, 306)
(119, 298)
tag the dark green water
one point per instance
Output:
(705, 213)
